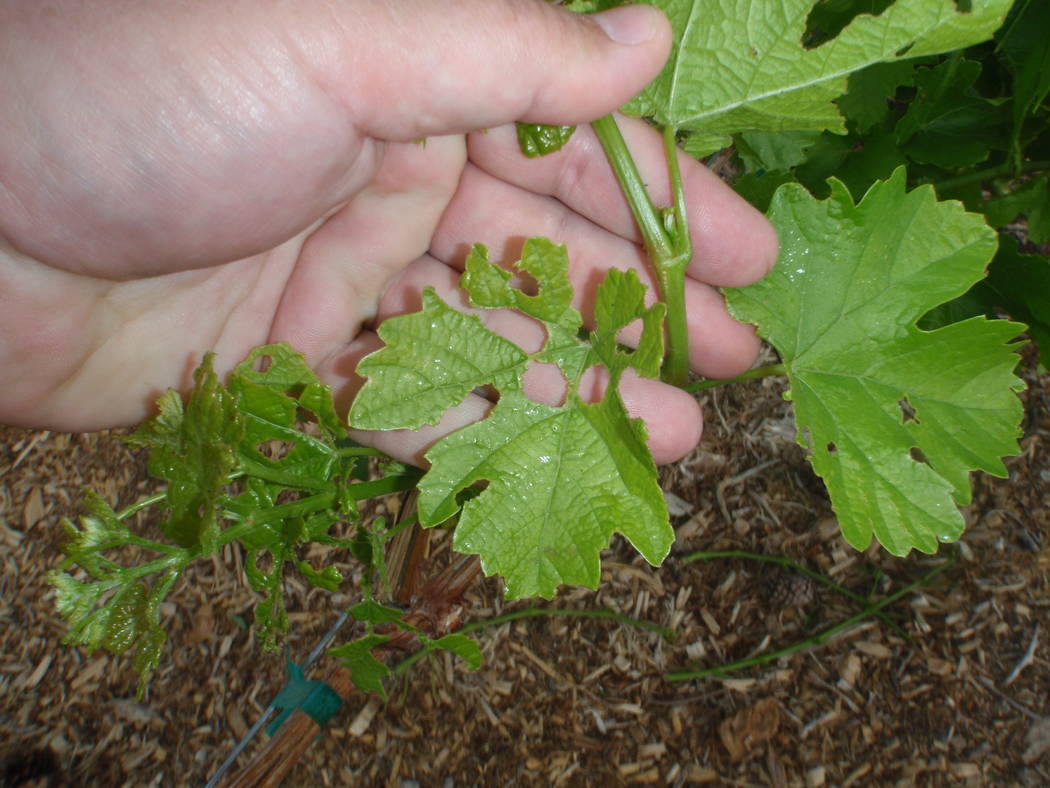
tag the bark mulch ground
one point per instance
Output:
(952, 687)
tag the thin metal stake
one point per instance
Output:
(322, 644)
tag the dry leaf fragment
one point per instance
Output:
(203, 625)
(33, 511)
(750, 727)
(1038, 741)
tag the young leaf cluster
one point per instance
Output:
(261, 461)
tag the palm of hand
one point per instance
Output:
(122, 219)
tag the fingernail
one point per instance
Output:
(634, 24)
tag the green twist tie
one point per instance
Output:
(314, 697)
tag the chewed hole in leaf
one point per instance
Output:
(262, 363)
(827, 20)
(546, 384)
(917, 454)
(489, 392)
(525, 282)
(473, 491)
(832, 448)
(907, 411)
(275, 450)
(263, 560)
(627, 337)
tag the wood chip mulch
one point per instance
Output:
(957, 693)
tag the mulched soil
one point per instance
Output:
(956, 693)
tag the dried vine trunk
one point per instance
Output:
(434, 610)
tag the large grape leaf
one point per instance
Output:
(558, 481)
(739, 65)
(894, 417)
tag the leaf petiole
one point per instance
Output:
(770, 370)
(665, 233)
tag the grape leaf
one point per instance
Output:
(947, 123)
(1032, 200)
(1025, 46)
(116, 610)
(194, 452)
(739, 65)
(462, 646)
(894, 417)
(866, 100)
(366, 671)
(1020, 284)
(560, 480)
(769, 151)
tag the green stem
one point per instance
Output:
(141, 504)
(657, 242)
(816, 640)
(793, 566)
(535, 612)
(387, 485)
(752, 374)
(671, 271)
(990, 173)
(402, 667)
(665, 234)
(359, 451)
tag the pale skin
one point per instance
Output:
(177, 177)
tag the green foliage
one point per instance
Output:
(973, 123)
(740, 65)
(538, 139)
(262, 461)
(894, 417)
(116, 609)
(194, 452)
(1025, 49)
(367, 671)
(560, 479)
(847, 120)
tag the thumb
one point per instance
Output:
(428, 68)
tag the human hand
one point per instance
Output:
(179, 177)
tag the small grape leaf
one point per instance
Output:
(865, 103)
(1032, 200)
(740, 65)
(1020, 284)
(772, 151)
(894, 417)
(1025, 46)
(539, 139)
(194, 451)
(371, 612)
(366, 671)
(296, 484)
(113, 610)
(560, 480)
(947, 124)
(462, 646)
